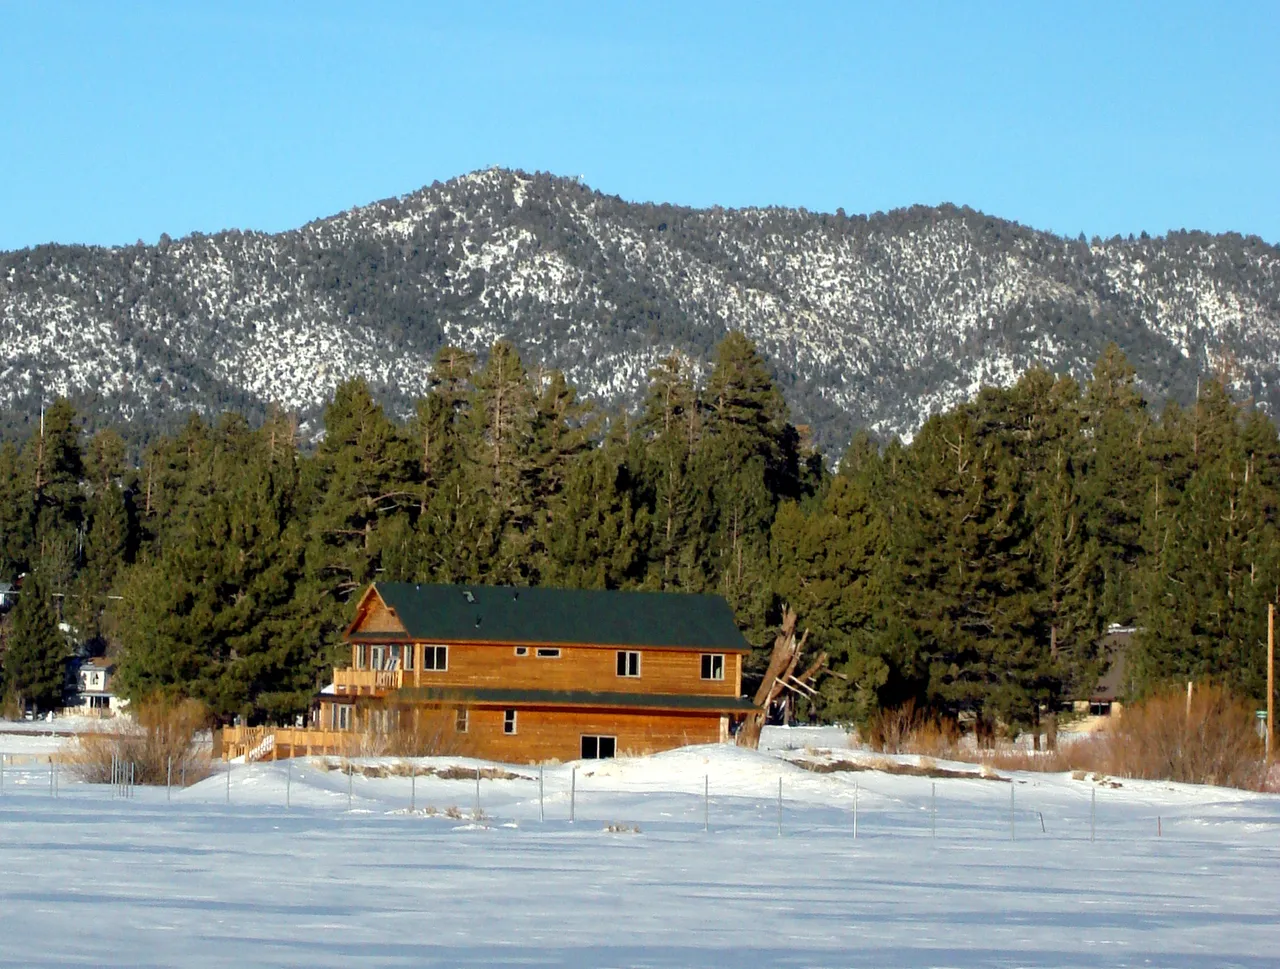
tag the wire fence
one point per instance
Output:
(787, 805)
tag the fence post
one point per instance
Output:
(933, 810)
(706, 802)
(573, 794)
(1093, 812)
(2, 757)
(349, 782)
(477, 810)
(168, 780)
(855, 810)
(228, 781)
(1011, 830)
(413, 789)
(132, 781)
(184, 772)
(542, 804)
(288, 782)
(51, 793)
(779, 807)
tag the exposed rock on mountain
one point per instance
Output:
(869, 321)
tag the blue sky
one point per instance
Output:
(121, 121)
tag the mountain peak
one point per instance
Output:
(871, 321)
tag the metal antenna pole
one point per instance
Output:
(1271, 679)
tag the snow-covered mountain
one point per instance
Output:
(868, 321)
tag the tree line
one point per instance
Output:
(971, 570)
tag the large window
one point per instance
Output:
(598, 748)
(435, 658)
(628, 662)
(508, 721)
(713, 666)
(341, 716)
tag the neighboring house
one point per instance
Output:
(8, 596)
(1107, 697)
(531, 674)
(93, 687)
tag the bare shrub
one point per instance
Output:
(163, 734)
(416, 732)
(1211, 741)
(907, 730)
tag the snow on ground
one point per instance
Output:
(348, 875)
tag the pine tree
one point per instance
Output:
(36, 654)
(827, 564)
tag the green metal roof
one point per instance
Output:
(596, 617)
(574, 698)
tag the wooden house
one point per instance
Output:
(533, 674)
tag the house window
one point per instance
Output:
(549, 653)
(435, 658)
(341, 716)
(409, 652)
(522, 650)
(713, 666)
(598, 748)
(628, 662)
(393, 657)
(362, 656)
(460, 720)
(508, 721)
(379, 656)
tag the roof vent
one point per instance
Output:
(467, 593)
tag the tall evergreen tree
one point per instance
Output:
(36, 653)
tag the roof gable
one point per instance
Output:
(507, 614)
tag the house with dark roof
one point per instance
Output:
(534, 674)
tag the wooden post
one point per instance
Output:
(1271, 679)
(933, 810)
(477, 810)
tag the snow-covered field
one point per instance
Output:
(347, 875)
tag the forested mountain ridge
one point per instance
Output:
(866, 321)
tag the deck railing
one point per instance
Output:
(252, 742)
(367, 681)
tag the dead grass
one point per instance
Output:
(906, 730)
(162, 735)
(926, 768)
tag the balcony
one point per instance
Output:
(367, 682)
